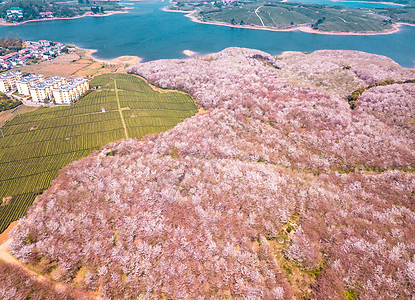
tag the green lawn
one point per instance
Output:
(37, 144)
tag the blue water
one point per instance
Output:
(150, 33)
(347, 3)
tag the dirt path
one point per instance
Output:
(7, 257)
(256, 12)
(276, 25)
(120, 110)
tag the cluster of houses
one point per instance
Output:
(39, 90)
(16, 14)
(42, 49)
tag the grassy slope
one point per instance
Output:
(277, 15)
(39, 143)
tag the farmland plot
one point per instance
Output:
(37, 144)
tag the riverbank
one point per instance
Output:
(303, 28)
(121, 60)
(87, 14)
(374, 2)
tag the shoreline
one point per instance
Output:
(190, 14)
(375, 2)
(120, 60)
(355, 1)
(87, 14)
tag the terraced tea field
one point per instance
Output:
(287, 15)
(39, 143)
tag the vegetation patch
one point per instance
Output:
(38, 9)
(275, 14)
(354, 97)
(8, 103)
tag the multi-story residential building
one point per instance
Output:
(71, 91)
(81, 85)
(8, 80)
(26, 82)
(14, 13)
(56, 81)
(41, 92)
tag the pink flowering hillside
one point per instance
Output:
(275, 190)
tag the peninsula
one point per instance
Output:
(23, 11)
(283, 16)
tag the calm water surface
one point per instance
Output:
(150, 33)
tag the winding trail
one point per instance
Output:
(7, 257)
(256, 12)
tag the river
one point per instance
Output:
(148, 32)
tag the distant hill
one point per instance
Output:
(277, 189)
(278, 15)
(38, 9)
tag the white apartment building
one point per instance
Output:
(56, 81)
(41, 92)
(8, 80)
(70, 91)
(25, 83)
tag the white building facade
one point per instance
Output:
(70, 91)
(8, 80)
(25, 83)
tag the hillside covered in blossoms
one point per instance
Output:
(277, 189)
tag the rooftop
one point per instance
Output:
(10, 74)
(9, 55)
(30, 78)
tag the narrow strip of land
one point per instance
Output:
(119, 109)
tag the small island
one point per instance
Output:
(18, 12)
(284, 16)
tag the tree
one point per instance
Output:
(242, 22)
(102, 10)
(233, 22)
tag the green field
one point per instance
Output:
(287, 15)
(37, 144)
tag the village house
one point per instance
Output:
(42, 49)
(8, 80)
(45, 43)
(46, 14)
(26, 82)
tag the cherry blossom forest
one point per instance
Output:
(276, 189)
